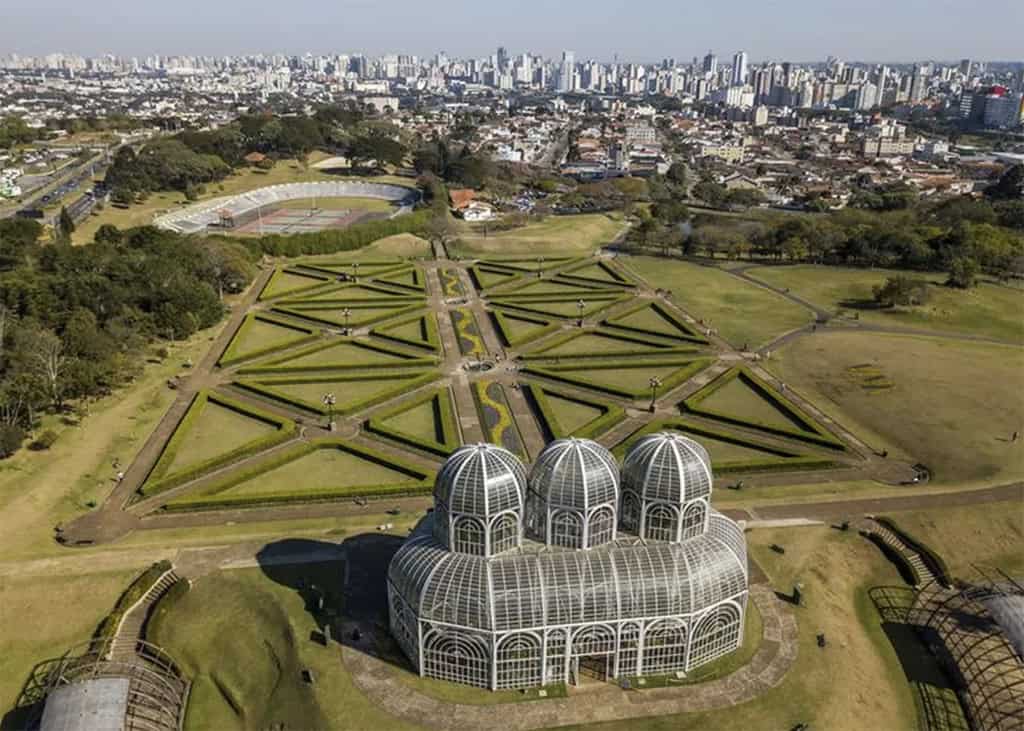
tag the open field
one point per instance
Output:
(556, 234)
(743, 313)
(332, 204)
(953, 405)
(991, 309)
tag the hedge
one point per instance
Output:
(474, 274)
(814, 433)
(932, 559)
(785, 460)
(306, 313)
(503, 329)
(332, 241)
(229, 356)
(323, 283)
(158, 481)
(265, 390)
(687, 370)
(449, 425)
(612, 272)
(530, 307)
(425, 481)
(280, 365)
(663, 348)
(589, 295)
(431, 337)
(135, 591)
(690, 334)
(417, 278)
(527, 263)
(612, 415)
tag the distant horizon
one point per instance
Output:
(796, 29)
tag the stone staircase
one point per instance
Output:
(924, 575)
(125, 643)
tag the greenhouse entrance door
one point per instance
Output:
(590, 668)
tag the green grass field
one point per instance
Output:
(372, 205)
(743, 313)
(953, 405)
(556, 234)
(990, 310)
(737, 398)
(217, 430)
(244, 639)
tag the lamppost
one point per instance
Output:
(355, 270)
(329, 402)
(346, 313)
(655, 384)
(581, 305)
(540, 265)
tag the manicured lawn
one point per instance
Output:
(217, 430)
(591, 343)
(345, 353)
(44, 616)
(556, 234)
(406, 245)
(422, 421)
(346, 392)
(285, 282)
(953, 405)
(260, 335)
(571, 415)
(319, 471)
(244, 639)
(991, 310)
(624, 377)
(736, 398)
(743, 313)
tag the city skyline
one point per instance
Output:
(920, 31)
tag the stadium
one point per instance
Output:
(516, 582)
(261, 211)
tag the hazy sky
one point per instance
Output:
(882, 30)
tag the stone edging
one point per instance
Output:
(773, 659)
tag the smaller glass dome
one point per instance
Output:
(575, 473)
(574, 495)
(479, 496)
(667, 467)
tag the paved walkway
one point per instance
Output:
(766, 670)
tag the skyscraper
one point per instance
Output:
(739, 68)
(711, 64)
(565, 74)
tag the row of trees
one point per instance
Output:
(75, 322)
(197, 157)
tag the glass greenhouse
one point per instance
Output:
(516, 582)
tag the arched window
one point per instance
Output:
(629, 646)
(597, 639)
(601, 527)
(402, 624)
(693, 519)
(504, 533)
(555, 652)
(660, 523)
(468, 537)
(566, 530)
(519, 662)
(664, 647)
(717, 633)
(630, 512)
(457, 656)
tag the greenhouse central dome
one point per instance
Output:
(516, 583)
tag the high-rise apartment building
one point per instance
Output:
(739, 69)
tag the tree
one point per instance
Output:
(710, 192)
(963, 273)
(1010, 185)
(107, 234)
(677, 174)
(900, 290)
(65, 225)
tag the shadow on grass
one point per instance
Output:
(343, 587)
(936, 700)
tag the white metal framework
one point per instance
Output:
(490, 608)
